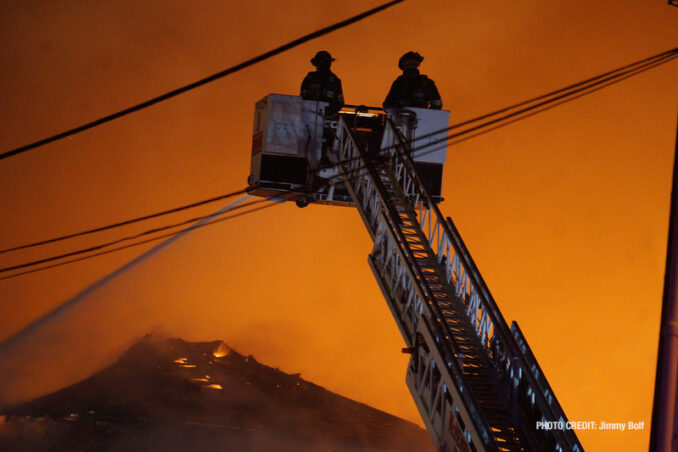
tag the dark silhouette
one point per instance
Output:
(172, 395)
(413, 89)
(322, 84)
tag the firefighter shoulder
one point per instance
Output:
(324, 86)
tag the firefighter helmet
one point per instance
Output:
(320, 57)
(410, 59)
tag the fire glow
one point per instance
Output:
(221, 351)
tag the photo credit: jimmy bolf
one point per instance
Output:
(590, 425)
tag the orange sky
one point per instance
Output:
(565, 213)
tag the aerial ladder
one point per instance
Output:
(474, 379)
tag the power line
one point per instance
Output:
(563, 101)
(563, 98)
(574, 91)
(497, 123)
(644, 63)
(204, 81)
(126, 222)
(569, 87)
(451, 141)
(114, 242)
(598, 84)
(168, 95)
(142, 242)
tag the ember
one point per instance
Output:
(221, 351)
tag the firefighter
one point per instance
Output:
(322, 84)
(413, 89)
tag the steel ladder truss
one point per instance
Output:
(474, 380)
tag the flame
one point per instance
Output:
(181, 360)
(222, 350)
(188, 365)
(213, 386)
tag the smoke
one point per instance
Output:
(66, 343)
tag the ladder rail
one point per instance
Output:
(363, 186)
(483, 312)
(409, 235)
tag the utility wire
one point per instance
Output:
(569, 87)
(204, 81)
(644, 64)
(451, 139)
(481, 129)
(101, 253)
(126, 222)
(574, 91)
(558, 100)
(553, 105)
(115, 242)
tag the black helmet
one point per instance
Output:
(410, 59)
(322, 56)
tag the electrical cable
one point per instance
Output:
(566, 88)
(548, 107)
(450, 138)
(201, 82)
(142, 242)
(116, 241)
(660, 58)
(126, 222)
(554, 102)
(648, 64)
